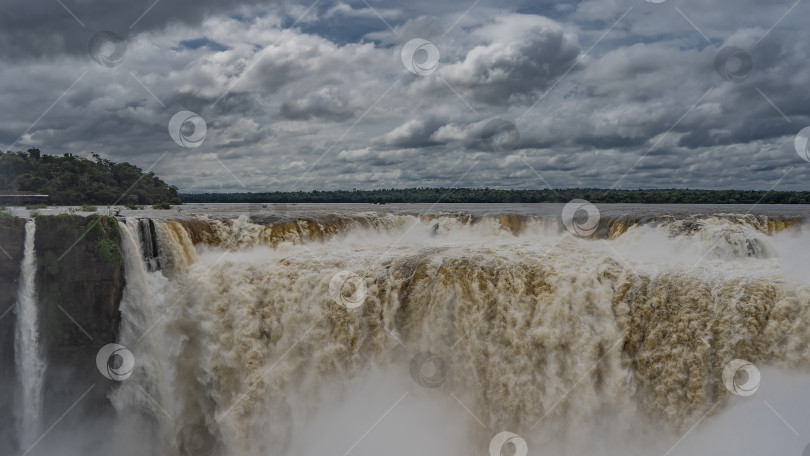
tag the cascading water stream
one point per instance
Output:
(145, 307)
(241, 347)
(28, 352)
(294, 338)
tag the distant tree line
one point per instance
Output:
(488, 195)
(71, 180)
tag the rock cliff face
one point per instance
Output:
(80, 280)
(12, 235)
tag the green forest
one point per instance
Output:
(487, 195)
(71, 180)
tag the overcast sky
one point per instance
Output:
(338, 95)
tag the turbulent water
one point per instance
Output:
(30, 364)
(351, 332)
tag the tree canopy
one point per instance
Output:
(71, 180)
(487, 195)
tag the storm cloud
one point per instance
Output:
(301, 96)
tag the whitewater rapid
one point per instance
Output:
(247, 341)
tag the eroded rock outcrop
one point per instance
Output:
(12, 234)
(80, 280)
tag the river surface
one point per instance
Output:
(231, 210)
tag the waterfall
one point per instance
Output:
(27, 350)
(242, 339)
(148, 244)
(246, 343)
(144, 307)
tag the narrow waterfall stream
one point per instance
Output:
(28, 353)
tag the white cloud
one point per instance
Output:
(292, 96)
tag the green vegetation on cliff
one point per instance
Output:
(109, 250)
(80, 267)
(12, 236)
(71, 180)
(487, 195)
(80, 282)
